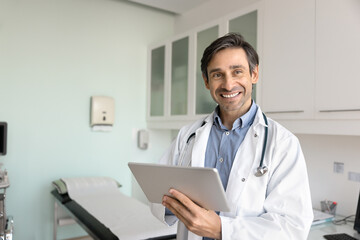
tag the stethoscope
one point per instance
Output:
(260, 171)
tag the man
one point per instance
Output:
(274, 204)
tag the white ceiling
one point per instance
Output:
(175, 6)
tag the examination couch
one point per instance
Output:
(104, 212)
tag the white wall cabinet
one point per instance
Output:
(309, 67)
(337, 59)
(288, 59)
(310, 63)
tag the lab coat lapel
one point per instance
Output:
(245, 162)
(200, 143)
(198, 156)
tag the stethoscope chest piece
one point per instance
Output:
(261, 171)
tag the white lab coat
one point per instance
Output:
(274, 206)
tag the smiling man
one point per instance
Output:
(260, 163)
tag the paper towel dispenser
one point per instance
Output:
(102, 111)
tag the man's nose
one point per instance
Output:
(228, 81)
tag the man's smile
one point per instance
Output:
(230, 95)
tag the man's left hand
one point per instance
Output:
(198, 220)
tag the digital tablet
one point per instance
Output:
(202, 185)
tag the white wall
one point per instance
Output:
(54, 55)
(321, 151)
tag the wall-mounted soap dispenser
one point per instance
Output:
(143, 139)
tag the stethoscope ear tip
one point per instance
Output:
(261, 171)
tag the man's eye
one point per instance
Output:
(237, 72)
(217, 75)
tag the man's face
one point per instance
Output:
(230, 82)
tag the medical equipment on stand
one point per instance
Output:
(260, 171)
(6, 223)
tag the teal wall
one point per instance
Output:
(54, 55)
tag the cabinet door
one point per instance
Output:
(179, 76)
(204, 102)
(288, 59)
(246, 25)
(157, 80)
(337, 58)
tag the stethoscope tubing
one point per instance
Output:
(265, 141)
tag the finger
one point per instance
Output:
(171, 203)
(176, 207)
(201, 222)
(187, 202)
(186, 210)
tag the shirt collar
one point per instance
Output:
(243, 121)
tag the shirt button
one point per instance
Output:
(221, 160)
(227, 133)
(243, 179)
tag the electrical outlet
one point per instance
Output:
(354, 176)
(338, 167)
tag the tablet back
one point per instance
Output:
(202, 185)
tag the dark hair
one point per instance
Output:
(230, 40)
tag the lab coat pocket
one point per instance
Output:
(251, 201)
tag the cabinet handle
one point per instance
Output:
(341, 110)
(293, 111)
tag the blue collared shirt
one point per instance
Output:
(223, 143)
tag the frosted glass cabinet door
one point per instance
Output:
(157, 81)
(179, 76)
(204, 102)
(246, 25)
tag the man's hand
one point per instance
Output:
(198, 220)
